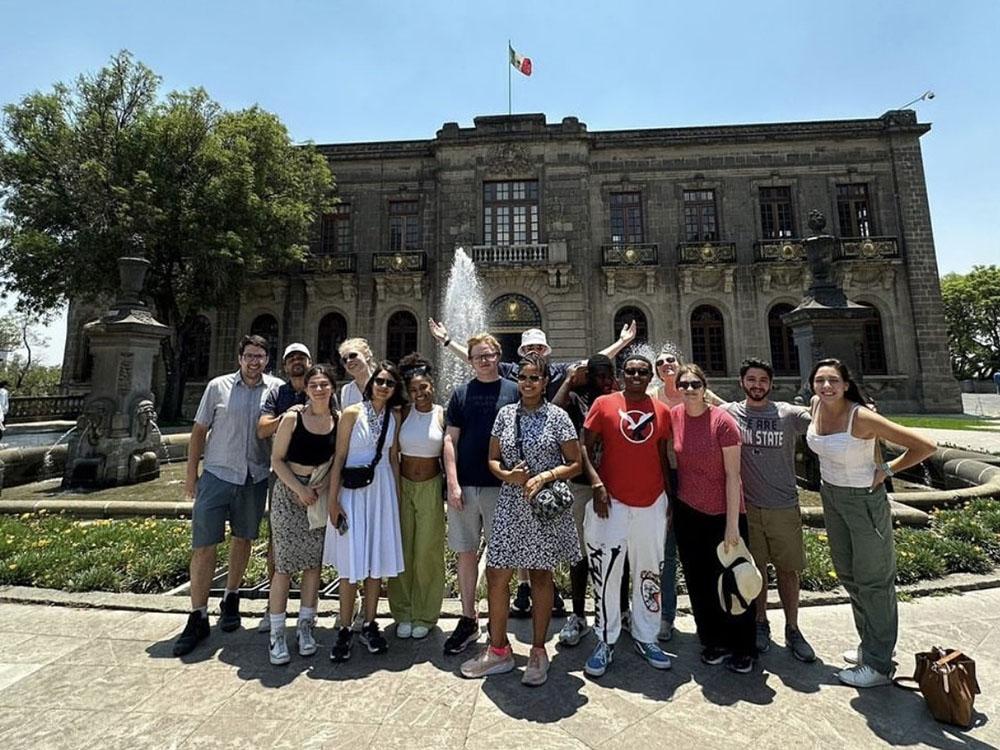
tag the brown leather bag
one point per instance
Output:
(947, 680)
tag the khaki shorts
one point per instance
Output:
(474, 521)
(776, 537)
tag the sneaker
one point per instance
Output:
(600, 659)
(714, 655)
(521, 606)
(627, 622)
(420, 631)
(537, 671)
(278, 652)
(558, 605)
(863, 676)
(194, 633)
(466, 632)
(264, 626)
(304, 637)
(853, 655)
(229, 613)
(372, 637)
(653, 655)
(666, 631)
(798, 645)
(763, 637)
(740, 664)
(341, 650)
(489, 662)
(404, 629)
(575, 628)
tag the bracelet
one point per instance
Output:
(445, 343)
(886, 469)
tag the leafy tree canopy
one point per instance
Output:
(972, 311)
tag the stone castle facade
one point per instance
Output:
(694, 232)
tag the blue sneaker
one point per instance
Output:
(653, 654)
(599, 660)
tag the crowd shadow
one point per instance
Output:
(901, 717)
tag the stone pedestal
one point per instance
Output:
(116, 440)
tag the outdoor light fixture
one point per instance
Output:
(926, 96)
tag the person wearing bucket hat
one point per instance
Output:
(740, 581)
(710, 510)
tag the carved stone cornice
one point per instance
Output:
(707, 279)
(786, 277)
(630, 279)
(868, 275)
(340, 286)
(399, 286)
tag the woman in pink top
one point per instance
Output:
(710, 511)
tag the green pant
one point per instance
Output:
(859, 529)
(415, 595)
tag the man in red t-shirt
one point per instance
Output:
(629, 514)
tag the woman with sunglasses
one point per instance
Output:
(362, 536)
(533, 443)
(359, 362)
(415, 595)
(300, 457)
(856, 511)
(710, 510)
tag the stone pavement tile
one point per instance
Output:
(108, 651)
(63, 621)
(522, 734)
(433, 700)
(137, 731)
(59, 729)
(193, 692)
(151, 626)
(35, 649)
(85, 687)
(395, 737)
(11, 673)
(346, 734)
(604, 715)
(235, 732)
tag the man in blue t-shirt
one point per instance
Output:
(472, 488)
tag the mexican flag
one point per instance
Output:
(519, 61)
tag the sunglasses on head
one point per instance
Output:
(385, 382)
(694, 385)
(667, 359)
(637, 372)
(530, 378)
(350, 356)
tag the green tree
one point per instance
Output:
(106, 168)
(19, 338)
(972, 311)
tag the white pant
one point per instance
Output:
(638, 533)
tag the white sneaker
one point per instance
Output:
(278, 652)
(304, 636)
(404, 629)
(420, 631)
(853, 655)
(863, 676)
(575, 628)
(264, 626)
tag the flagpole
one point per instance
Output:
(510, 109)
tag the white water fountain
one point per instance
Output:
(464, 314)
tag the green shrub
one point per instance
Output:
(819, 574)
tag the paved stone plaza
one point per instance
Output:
(78, 678)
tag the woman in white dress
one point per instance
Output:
(359, 362)
(363, 540)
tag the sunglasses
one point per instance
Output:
(385, 382)
(668, 360)
(350, 356)
(485, 357)
(694, 385)
(637, 372)
(530, 378)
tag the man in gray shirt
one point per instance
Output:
(769, 430)
(233, 484)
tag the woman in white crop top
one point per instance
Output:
(415, 596)
(844, 434)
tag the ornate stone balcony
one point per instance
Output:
(867, 248)
(527, 261)
(399, 262)
(624, 256)
(510, 255)
(779, 251)
(341, 263)
(706, 253)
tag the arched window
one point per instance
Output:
(332, 333)
(708, 340)
(198, 349)
(510, 315)
(784, 354)
(623, 317)
(873, 345)
(267, 326)
(400, 335)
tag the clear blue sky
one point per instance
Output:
(349, 71)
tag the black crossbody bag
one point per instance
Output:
(356, 477)
(554, 498)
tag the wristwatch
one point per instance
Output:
(886, 469)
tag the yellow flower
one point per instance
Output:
(12, 566)
(832, 573)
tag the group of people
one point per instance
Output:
(543, 464)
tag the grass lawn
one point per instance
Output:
(947, 422)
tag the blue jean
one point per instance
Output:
(668, 578)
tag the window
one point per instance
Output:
(708, 340)
(400, 335)
(873, 345)
(623, 317)
(510, 213)
(267, 326)
(509, 315)
(784, 354)
(332, 333)
(404, 226)
(776, 220)
(626, 219)
(700, 221)
(198, 349)
(854, 211)
(335, 230)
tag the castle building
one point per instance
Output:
(694, 232)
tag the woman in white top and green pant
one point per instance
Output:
(844, 434)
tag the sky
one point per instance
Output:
(377, 70)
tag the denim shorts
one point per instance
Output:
(217, 500)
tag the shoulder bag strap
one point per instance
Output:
(386, 413)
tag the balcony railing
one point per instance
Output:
(342, 263)
(867, 248)
(41, 408)
(510, 255)
(706, 253)
(778, 251)
(644, 254)
(401, 262)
